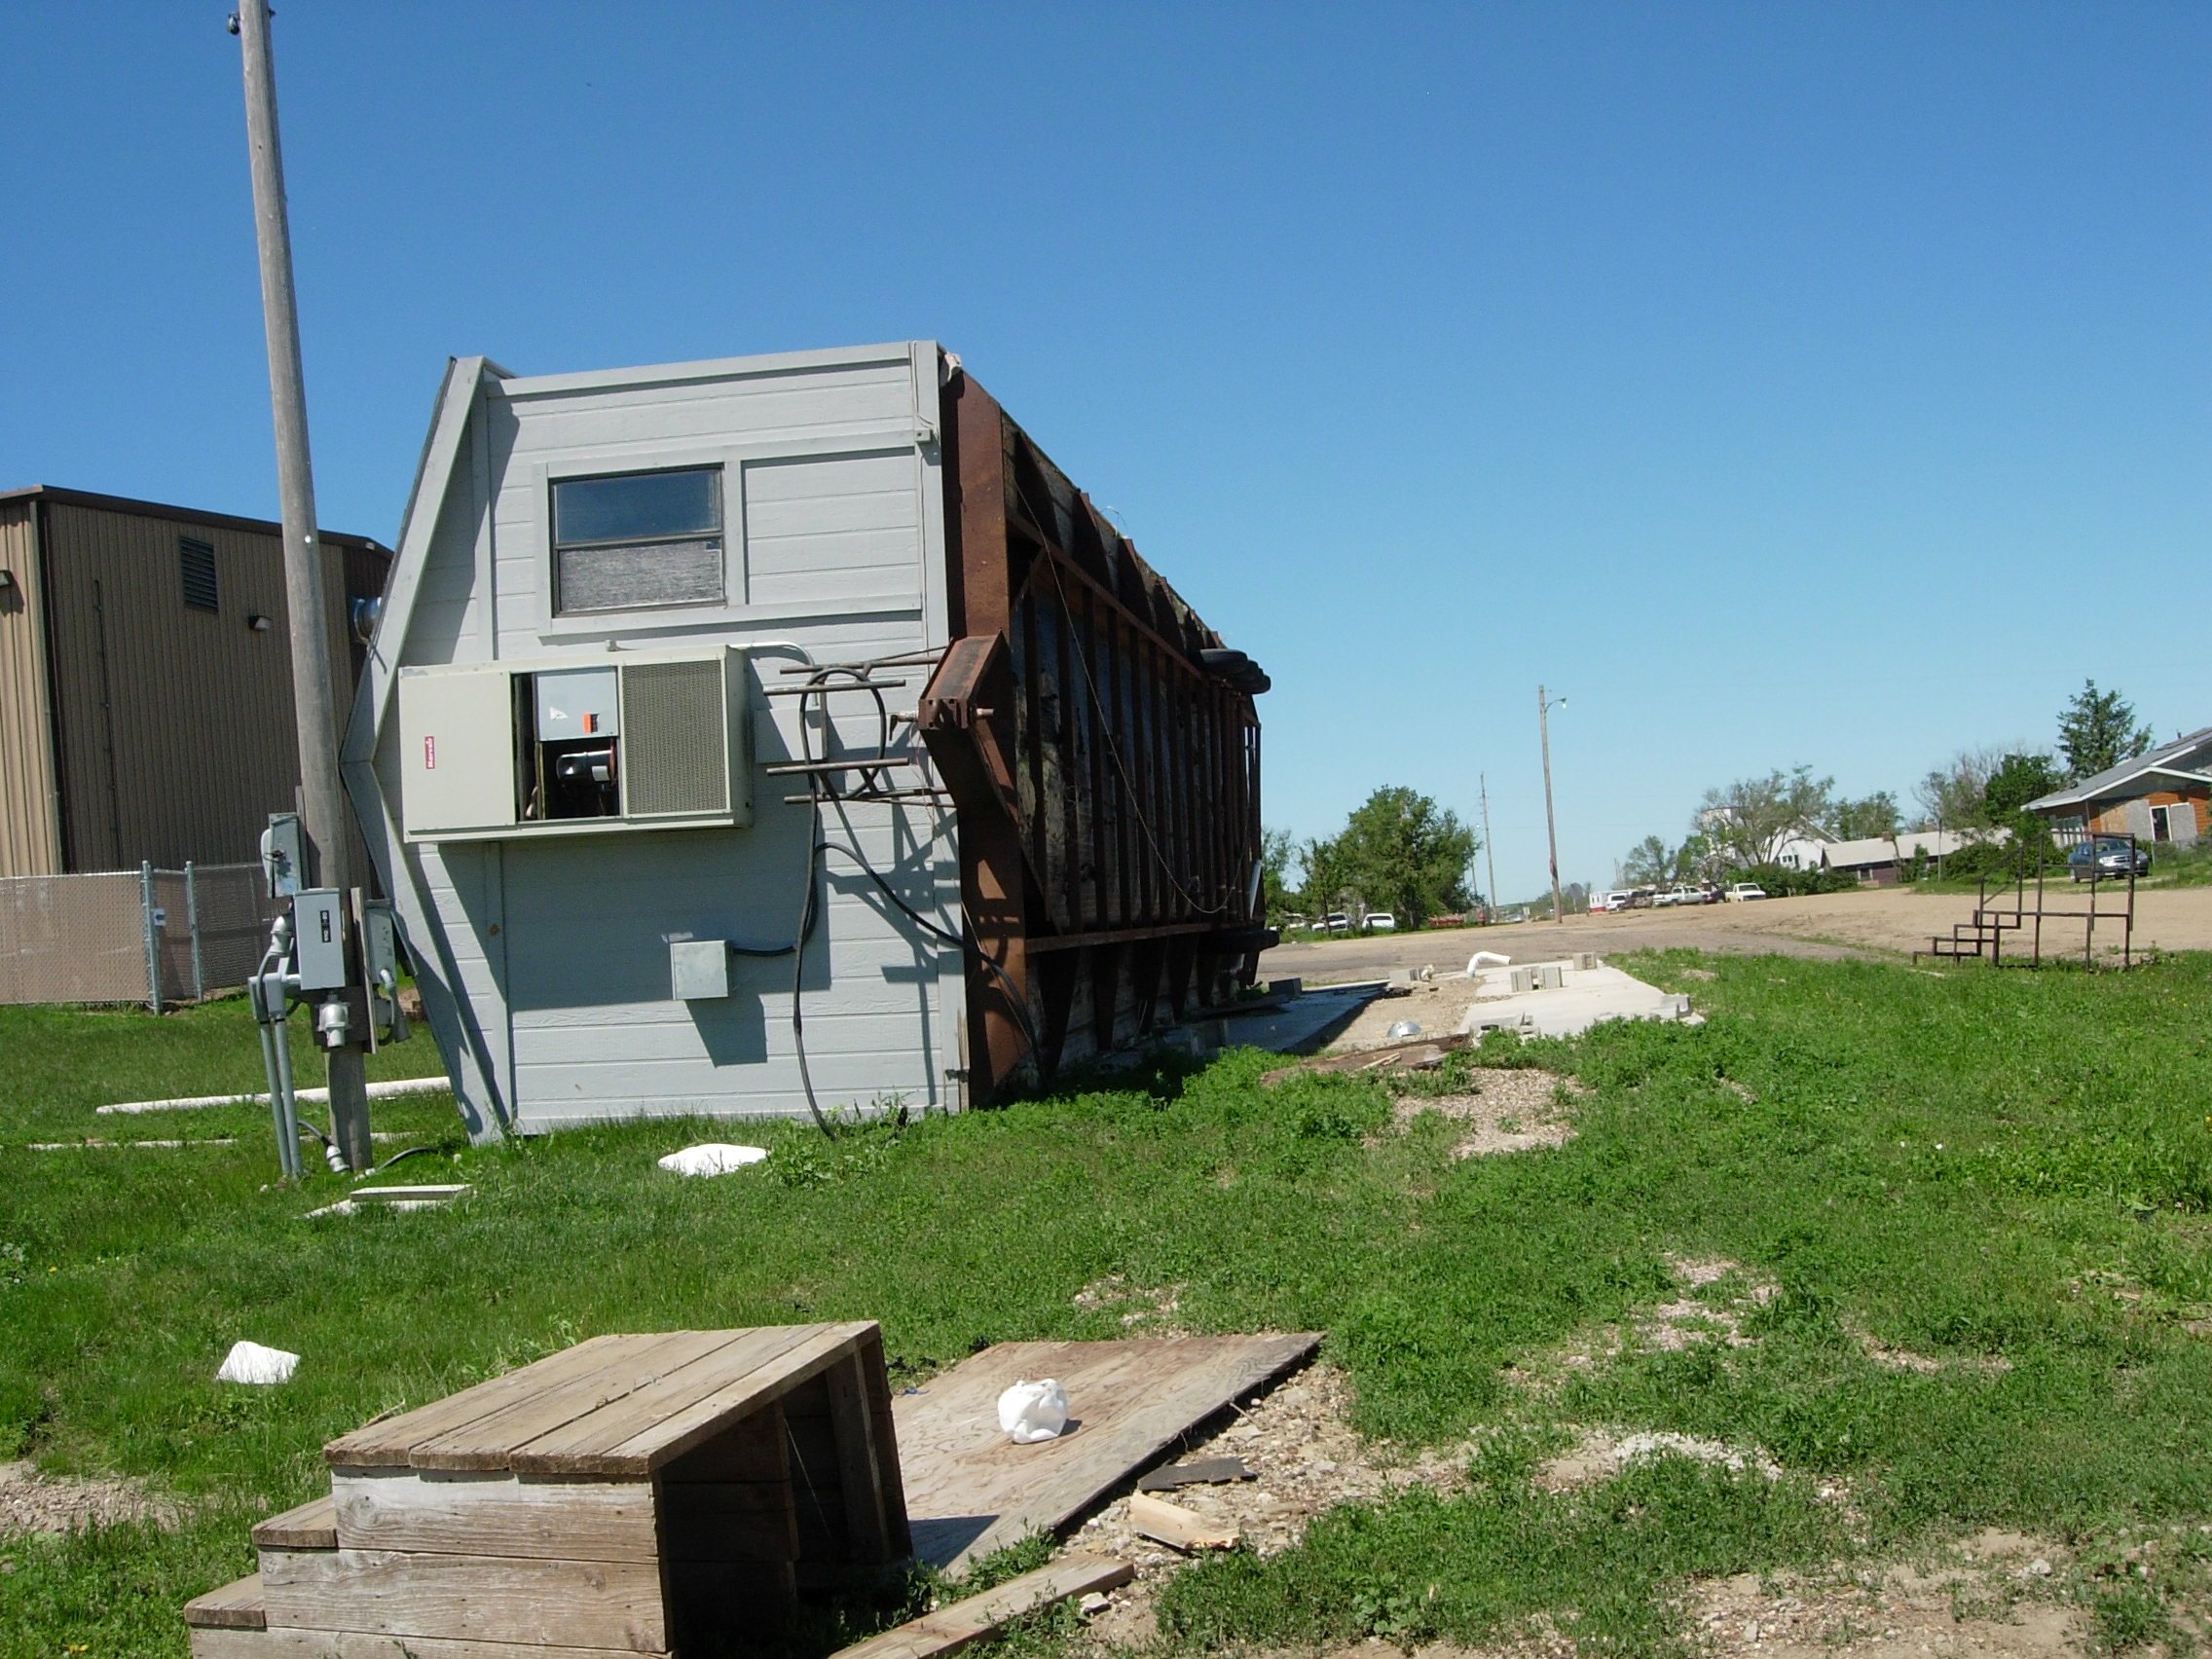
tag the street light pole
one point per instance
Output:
(1490, 855)
(315, 716)
(1551, 826)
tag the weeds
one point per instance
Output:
(2008, 1176)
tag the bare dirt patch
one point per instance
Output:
(1994, 1594)
(1507, 1110)
(32, 1502)
(1305, 1456)
(1598, 1456)
(1151, 1311)
(1719, 1296)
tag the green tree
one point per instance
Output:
(2097, 731)
(1875, 815)
(1650, 862)
(1749, 822)
(1329, 876)
(1404, 853)
(1277, 850)
(2017, 780)
(1955, 797)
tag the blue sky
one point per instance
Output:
(1782, 383)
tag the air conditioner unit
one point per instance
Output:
(653, 740)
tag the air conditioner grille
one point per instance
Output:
(675, 738)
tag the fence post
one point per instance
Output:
(192, 920)
(153, 946)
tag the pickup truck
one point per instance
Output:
(1744, 890)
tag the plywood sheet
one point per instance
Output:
(969, 1490)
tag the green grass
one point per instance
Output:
(1985, 1166)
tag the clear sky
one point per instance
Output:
(1783, 382)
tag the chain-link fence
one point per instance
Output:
(150, 936)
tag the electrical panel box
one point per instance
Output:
(318, 938)
(698, 969)
(651, 740)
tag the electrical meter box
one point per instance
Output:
(318, 938)
(507, 750)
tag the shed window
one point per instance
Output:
(637, 540)
(196, 563)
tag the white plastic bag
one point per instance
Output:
(1031, 1412)
(250, 1362)
(713, 1157)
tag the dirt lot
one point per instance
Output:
(1875, 921)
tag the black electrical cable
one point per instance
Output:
(820, 683)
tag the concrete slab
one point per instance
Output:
(1581, 998)
(1304, 1023)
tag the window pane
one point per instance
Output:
(637, 575)
(637, 506)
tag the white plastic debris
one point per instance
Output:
(250, 1362)
(1031, 1412)
(1403, 1028)
(1487, 959)
(713, 1157)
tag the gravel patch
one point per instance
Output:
(32, 1502)
(1508, 1110)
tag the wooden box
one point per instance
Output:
(635, 1494)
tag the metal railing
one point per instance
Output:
(152, 935)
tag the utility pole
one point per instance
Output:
(1490, 856)
(1551, 826)
(323, 812)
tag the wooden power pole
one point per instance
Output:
(322, 811)
(1551, 826)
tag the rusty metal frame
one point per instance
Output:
(1106, 780)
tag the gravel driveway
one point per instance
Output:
(1875, 921)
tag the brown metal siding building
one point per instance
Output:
(144, 713)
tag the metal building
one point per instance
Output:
(145, 681)
(684, 665)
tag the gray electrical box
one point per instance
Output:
(318, 938)
(283, 854)
(577, 702)
(699, 967)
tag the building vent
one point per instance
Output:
(196, 561)
(677, 718)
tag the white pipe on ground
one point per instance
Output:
(377, 1091)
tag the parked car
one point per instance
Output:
(1619, 900)
(1336, 922)
(1744, 890)
(1681, 892)
(1381, 921)
(2107, 859)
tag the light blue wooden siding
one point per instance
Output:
(854, 521)
(833, 521)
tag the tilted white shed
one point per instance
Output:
(587, 708)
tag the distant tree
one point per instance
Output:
(2017, 780)
(1649, 863)
(2097, 731)
(1954, 797)
(1329, 884)
(1407, 854)
(1875, 815)
(1278, 850)
(1752, 820)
